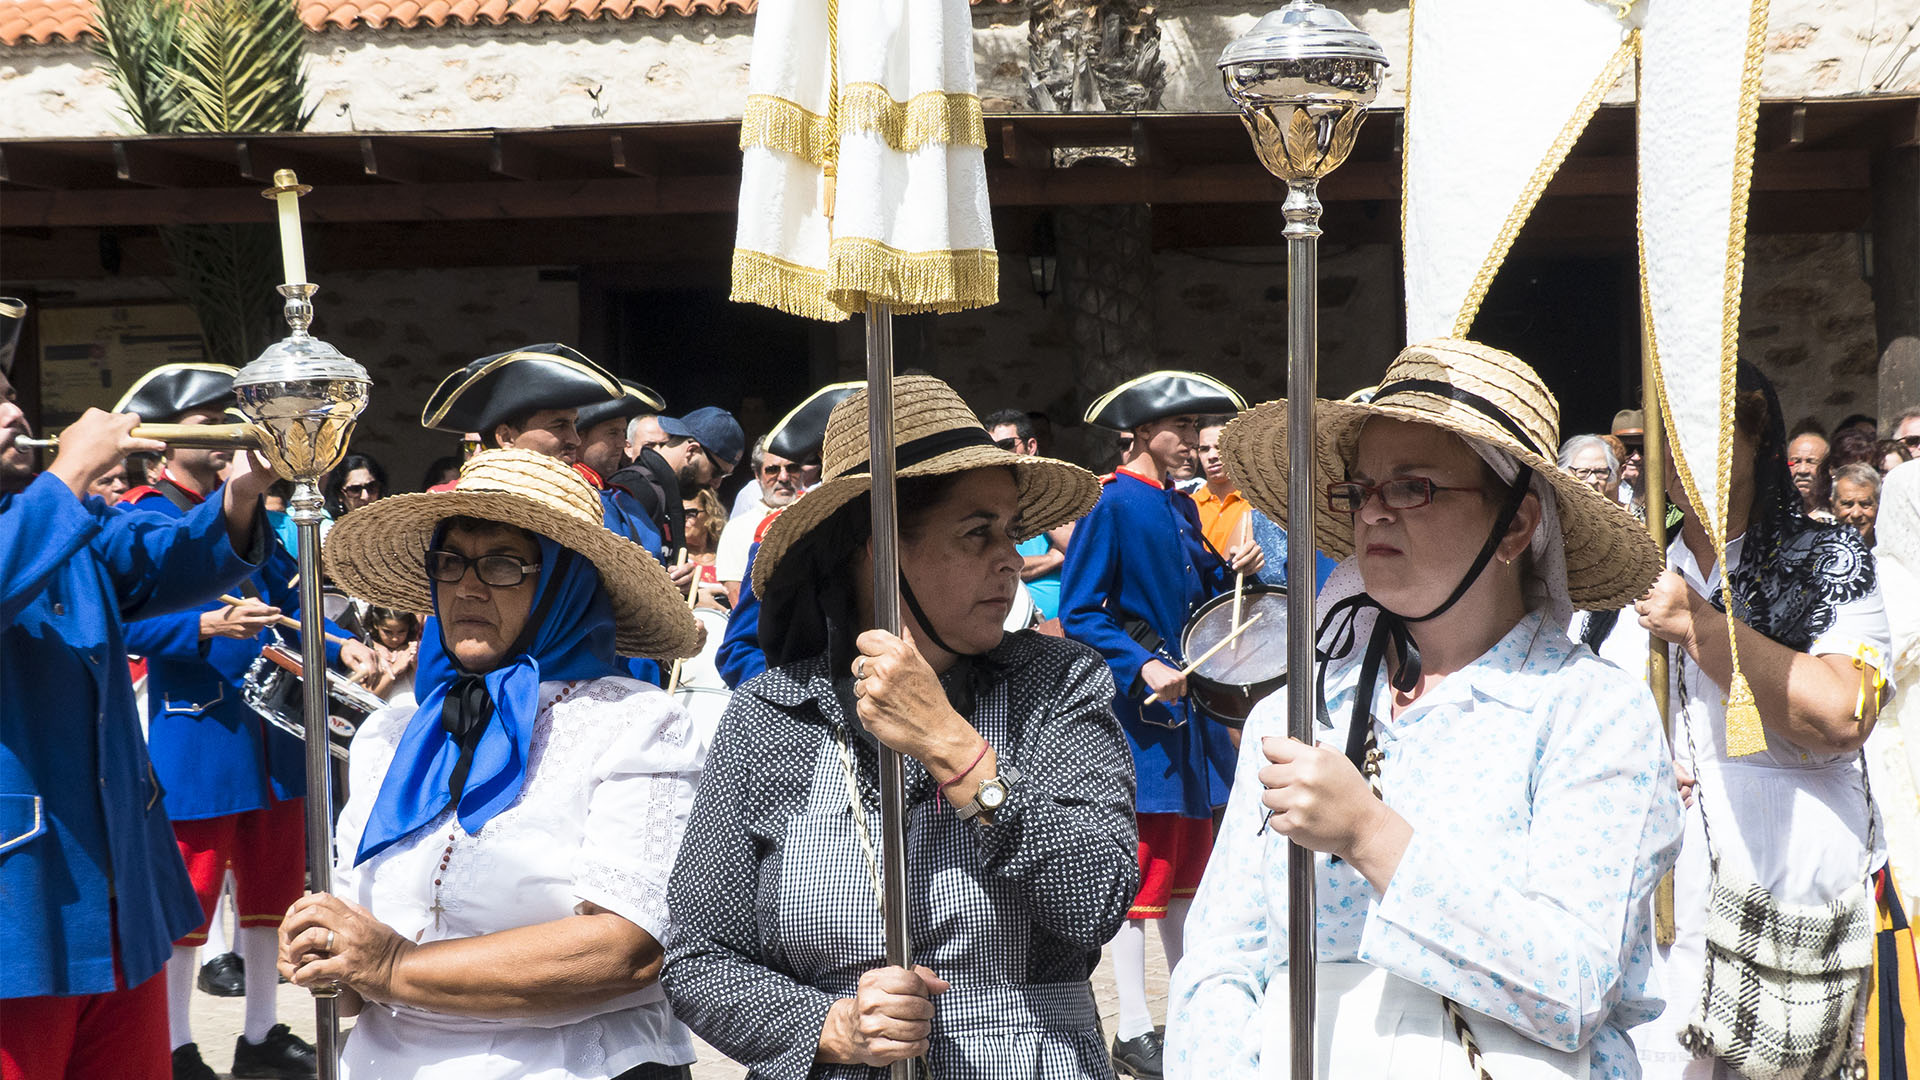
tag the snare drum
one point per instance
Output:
(274, 689)
(1232, 681)
(705, 705)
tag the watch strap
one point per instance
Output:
(1005, 779)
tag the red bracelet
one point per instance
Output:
(977, 758)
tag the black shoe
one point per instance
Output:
(1138, 1056)
(188, 1066)
(223, 976)
(283, 1055)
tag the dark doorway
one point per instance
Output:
(1571, 318)
(697, 348)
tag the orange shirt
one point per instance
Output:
(1220, 517)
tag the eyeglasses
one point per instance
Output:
(1912, 441)
(1010, 444)
(499, 571)
(361, 489)
(791, 468)
(1349, 497)
(1592, 474)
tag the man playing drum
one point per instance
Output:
(1137, 568)
(234, 786)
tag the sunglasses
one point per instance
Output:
(1912, 441)
(499, 571)
(1011, 445)
(1349, 497)
(790, 469)
(361, 489)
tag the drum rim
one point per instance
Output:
(1226, 598)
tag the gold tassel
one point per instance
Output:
(1745, 735)
(930, 119)
(912, 282)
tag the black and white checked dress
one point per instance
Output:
(773, 911)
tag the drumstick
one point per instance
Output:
(693, 589)
(282, 620)
(1239, 591)
(1232, 635)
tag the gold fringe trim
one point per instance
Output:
(910, 282)
(1745, 734)
(930, 119)
(1543, 174)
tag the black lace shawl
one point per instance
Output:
(1794, 572)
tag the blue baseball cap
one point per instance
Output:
(713, 428)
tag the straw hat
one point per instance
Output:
(379, 552)
(1475, 391)
(935, 434)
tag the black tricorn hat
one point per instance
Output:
(800, 433)
(163, 394)
(1160, 394)
(497, 388)
(638, 400)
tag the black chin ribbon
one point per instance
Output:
(1395, 631)
(464, 714)
(962, 689)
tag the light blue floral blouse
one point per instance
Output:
(1544, 812)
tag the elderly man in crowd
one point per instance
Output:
(1807, 464)
(779, 485)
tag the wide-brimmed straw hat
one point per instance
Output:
(1480, 393)
(379, 552)
(934, 433)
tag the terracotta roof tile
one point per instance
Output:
(38, 22)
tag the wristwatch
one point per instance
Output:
(992, 794)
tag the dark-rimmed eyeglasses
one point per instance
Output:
(371, 488)
(791, 468)
(1411, 493)
(499, 571)
(1010, 444)
(1912, 441)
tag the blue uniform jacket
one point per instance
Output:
(216, 756)
(623, 516)
(1139, 556)
(86, 851)
(740, 657)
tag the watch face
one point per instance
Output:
(992, 795)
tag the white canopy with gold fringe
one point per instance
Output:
(1699, 100)
(863, 174)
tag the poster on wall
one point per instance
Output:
(89, 356)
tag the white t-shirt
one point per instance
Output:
(610, 782)
(730, 558)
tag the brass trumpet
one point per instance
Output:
(183, 436)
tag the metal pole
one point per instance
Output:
(1653, 477)
(886, 616)
(1302, 212)
(305, 509)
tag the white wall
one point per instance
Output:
(675, 69)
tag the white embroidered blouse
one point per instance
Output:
(1544, 812)
(610, 783)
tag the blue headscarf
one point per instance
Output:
(569, 635)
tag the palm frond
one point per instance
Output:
(242, 66)
(224, 275)
(138, 43)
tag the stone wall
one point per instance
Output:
(682, 69)
(1807, 320)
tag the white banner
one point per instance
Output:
(1498, 92)
(1699, 97)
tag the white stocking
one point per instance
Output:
(259, 951)
(182, 966)
(1130, 979)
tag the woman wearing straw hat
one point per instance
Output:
(1494, 803)
(1019, 827)
(502, 863)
